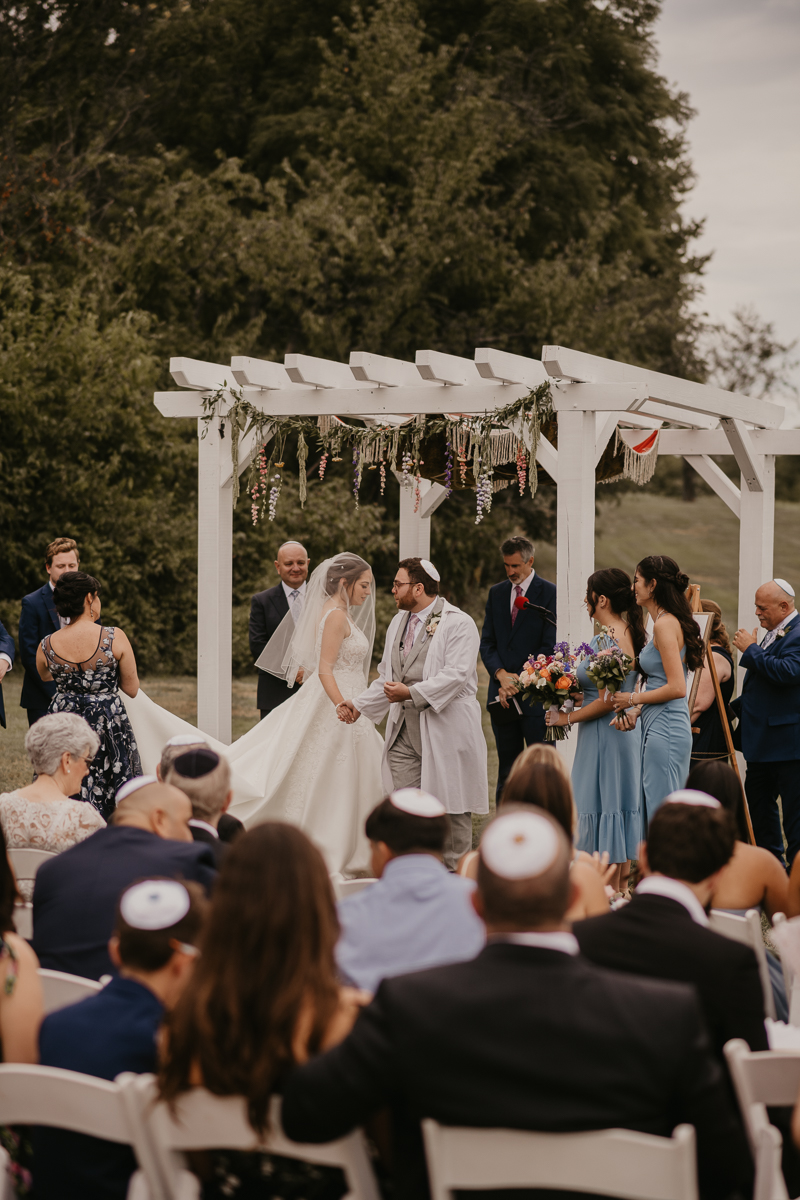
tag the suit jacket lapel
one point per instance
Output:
(47, 596)
(525, 616)
(397, 658)
(422, 636)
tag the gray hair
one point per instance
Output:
(522, 546)
(56, 734)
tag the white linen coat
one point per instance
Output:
(454, 766)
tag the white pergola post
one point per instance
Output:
(575, 522)
(756, 534)
(214, 584)
(414, 538)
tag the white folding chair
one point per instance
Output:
(34, 1095)
(60, 989)
(26, 862)
(607, 1162)
(761, 1078)
(23, 920)
(349, 887)
(201, 1121)
(779, 919)
(747, 930)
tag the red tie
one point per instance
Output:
(515, 610)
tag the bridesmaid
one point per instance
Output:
(606, 775)
(660, 587)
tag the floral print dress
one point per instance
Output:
(91, 689)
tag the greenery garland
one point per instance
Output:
(507, 435)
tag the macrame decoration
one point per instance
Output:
(637, 463)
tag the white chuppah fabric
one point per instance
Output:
(453, 746)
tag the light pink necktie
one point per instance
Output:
(515, 610)
(411, 632)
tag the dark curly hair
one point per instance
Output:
(670, 594)
(617, 587)
(71, 591)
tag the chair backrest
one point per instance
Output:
(747, 930)
(607, 1162)
(793, 1001)
(60, 989)
(27, 862)
(349, 887)
(23, 920)
(761, 1078)
(203, 1121)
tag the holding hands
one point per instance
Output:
(347, 712)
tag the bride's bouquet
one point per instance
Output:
(609, 667)
(550, 681)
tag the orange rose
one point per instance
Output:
(563, 683)
(544, 674)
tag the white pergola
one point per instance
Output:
(591, 396)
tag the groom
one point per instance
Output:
(427, 682)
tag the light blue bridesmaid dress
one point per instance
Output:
(666, 736)
(606, 777)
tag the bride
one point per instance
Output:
(302, 763)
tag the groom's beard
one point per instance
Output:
(405, 604)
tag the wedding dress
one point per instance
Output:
(301, 764)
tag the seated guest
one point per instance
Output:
(21, 1006)
(418, 914)
(154, 943)
(75, 895)
(228, 827)
(575, 1047)
(663, 933)
(539, 777)
(205, 778)
(264, 995)
(42, 816)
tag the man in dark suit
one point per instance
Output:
(37, 618)
(576, 1048)
(75, 895)
(157, 927)
(663, 933)
(267, 610)
(510, 635)
(205, 777)
(6, 663)
(770, 718)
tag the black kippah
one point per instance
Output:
(194, 764)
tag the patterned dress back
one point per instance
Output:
(91, 689)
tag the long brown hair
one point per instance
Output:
(719, 634)
(266, 959)
(539, 777)
(617, 587)
(670, 594)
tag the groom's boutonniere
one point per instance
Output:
(433, 624)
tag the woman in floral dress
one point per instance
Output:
(90, 663)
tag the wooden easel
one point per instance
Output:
(693, 596)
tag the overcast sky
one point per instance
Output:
(739, 61)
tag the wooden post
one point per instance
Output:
(756, 534)
(726, 729)
(575, 522)
(214, 582)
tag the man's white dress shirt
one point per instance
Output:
(526, 583)
(296, 598)
(772, 634)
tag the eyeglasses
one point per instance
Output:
(401, 583)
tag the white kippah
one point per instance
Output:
(154, 904)
(785, 587)
(519, 845)
(417, 803)
(690, 796)
(187, 739)
(133, 785)
(430, 569)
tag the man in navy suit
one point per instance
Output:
(75, 895)
(6, 663)
(267, 610)
(510, 636)
(38, 618)
(770, 718)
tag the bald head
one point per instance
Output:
(773, 604)
(159, 808)
(536, 902)
(292, 564)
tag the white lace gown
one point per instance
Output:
(301, 764)
(52, 825)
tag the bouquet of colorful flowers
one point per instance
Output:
(609, 667)
(549, 681)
